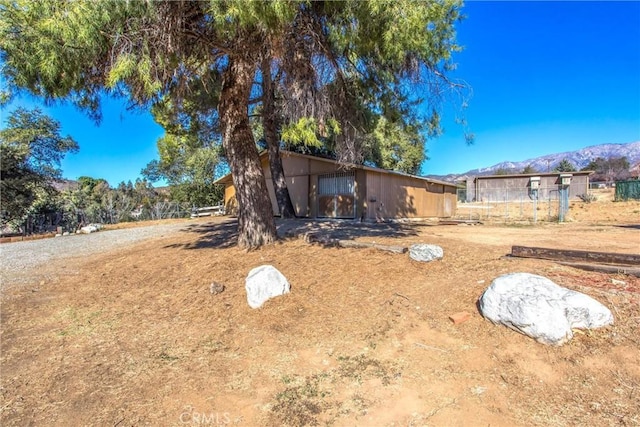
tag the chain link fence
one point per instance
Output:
(515, 204)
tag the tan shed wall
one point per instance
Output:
(377, 195)
(361, 194)
(230, 203)
(390, 196)
(297, 176)
(579, 186)
(519, 188)
(302, 180)
(299, 193)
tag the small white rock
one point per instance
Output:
(425, 252)
(263, 283)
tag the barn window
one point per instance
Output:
(336, 183)
(336, 195)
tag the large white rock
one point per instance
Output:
(91, 228)
(263, 283)
(425, 252)
(541, 309)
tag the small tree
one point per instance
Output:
(565, 166)
(529, 169)
(609, 170)
(32, 149)
(502, 171)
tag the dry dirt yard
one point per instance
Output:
(134, 337)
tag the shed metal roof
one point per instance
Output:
(227, 178)
(521, 175)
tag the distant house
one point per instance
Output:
(543, 186)
(324, 188)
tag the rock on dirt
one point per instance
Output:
(91, 228)
(425, 252)
(263, 283)
(216, 288)
(541, 309)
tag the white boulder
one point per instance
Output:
(541, 309)
(425, 252)
(91, 228)
(263, 283)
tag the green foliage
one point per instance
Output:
(93, 200)
(374, 51)
(307, 132)
(529, 170)
(190, 152)
(32, 149)
(565, 166)
(397, 146)
(341, 62)
(189, 168)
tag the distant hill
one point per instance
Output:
(580, 159)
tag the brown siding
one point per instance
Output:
(392, 196)
(296, 173)
(313, 195)
(295, 166)
(299, 193)
(230, 203)
(361, 194)
(378, 195)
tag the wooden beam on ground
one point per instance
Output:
(576, 256)
(388, 248)
(600, 268)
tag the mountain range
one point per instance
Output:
(579, 159)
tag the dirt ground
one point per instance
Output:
(135, 337)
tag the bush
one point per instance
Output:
(588, 197)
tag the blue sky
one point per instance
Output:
(546, 77)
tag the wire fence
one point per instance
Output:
(54, 222)
(516, 204)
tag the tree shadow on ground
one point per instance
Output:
(218, 235)
(336, 229)
(222, 235)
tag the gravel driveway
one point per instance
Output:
(19, 259)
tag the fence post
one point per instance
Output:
(506, 204)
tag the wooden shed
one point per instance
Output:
(493, 188)
(324, 188)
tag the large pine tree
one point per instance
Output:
(334, 57)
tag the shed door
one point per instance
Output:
(336, 195)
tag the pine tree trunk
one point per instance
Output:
(256, 225)
(273, 144)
